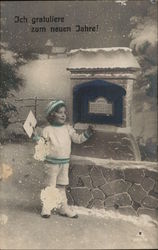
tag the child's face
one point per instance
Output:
(60, 115)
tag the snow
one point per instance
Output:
(46, 197)
(41, 150)
(102, 58)
(8, 56)
(23, 227)
(118, 164)
(73, 51)
(122, 2)
(143, 220)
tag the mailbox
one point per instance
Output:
(102, 87)
(99, 102)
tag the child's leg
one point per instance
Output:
(65, 209)
(51, 171)
(51, 178)
(62, 181)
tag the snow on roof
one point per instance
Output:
(58, 50)
(99, 49)
(102, 58)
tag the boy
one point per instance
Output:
(58, 136)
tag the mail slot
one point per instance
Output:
(98, 102)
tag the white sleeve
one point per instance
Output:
(75, 137)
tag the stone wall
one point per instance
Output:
(129, 188)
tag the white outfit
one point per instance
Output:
(59, 140)
(56, 174)
(56, 142)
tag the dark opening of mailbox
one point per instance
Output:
(99, 102)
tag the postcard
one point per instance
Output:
(30, 123)
(78, 125)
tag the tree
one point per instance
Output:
(9, 81)
(144, 45)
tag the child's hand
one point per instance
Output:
(35, 135)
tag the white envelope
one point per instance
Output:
(30, 123)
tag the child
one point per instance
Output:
(58, 136)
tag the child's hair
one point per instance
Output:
(49, 116)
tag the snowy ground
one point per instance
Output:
(23, 228)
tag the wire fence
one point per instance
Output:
(37, 105)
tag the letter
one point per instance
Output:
(16, 19)
(23, 19)
(77, 28)
(33, 20)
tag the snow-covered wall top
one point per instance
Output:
(102, 58)
(73, 51)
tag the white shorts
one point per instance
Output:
(57, 174)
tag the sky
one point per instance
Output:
(111, 16)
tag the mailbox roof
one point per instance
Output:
(102, 58)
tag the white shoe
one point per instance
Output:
(46, 213)
(65, 210)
